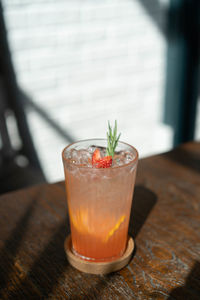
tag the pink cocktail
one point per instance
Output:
(99, 199)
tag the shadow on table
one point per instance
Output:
(46, 270)
(143, 202)
(95, 287)
(50, 265)
(191, 288)
(12, 246)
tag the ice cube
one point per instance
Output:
(85, 157)
(122, 158)
(91, 149)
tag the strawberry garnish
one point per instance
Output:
(96, 156)
(101, 162)
(105, 162)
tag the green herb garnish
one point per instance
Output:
(112, 139)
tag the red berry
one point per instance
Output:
(105, 162)
(99, 162)
(96, 156)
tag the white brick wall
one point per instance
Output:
(86, 62)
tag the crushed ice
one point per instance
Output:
(84, 156)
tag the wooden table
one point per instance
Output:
(165, 222)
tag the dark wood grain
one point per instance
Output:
(165, 221)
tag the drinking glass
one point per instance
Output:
(99, 201)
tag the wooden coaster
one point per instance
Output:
(98, 267)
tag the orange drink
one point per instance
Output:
(99, 199)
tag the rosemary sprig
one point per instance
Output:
(112, 139)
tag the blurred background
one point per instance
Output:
(72, 65)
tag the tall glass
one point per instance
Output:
(99, 203)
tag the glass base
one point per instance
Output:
(102, 267)
(107, 259)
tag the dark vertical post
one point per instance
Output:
(13, 96)
(182, 83)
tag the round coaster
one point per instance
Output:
(98, 267)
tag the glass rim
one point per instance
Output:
(134, 161)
